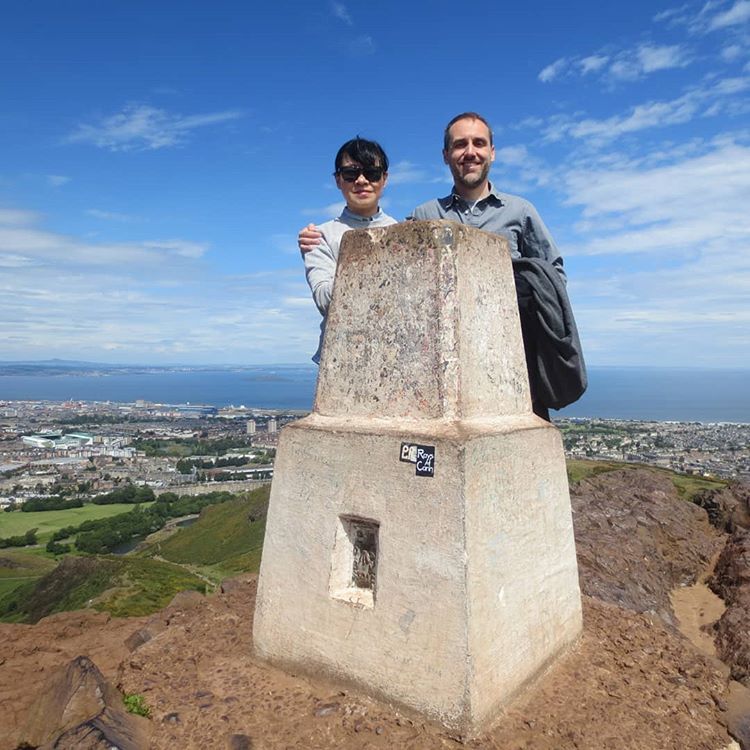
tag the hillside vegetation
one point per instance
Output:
(121, 586)
(227, 538)
(18, 567)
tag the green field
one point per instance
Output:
(49, 521)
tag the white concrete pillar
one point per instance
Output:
(419, 539)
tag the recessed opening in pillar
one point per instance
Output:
(354, 565)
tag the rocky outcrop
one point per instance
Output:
(637, 539)
(731, 581)
(80, 709)
(728, 509)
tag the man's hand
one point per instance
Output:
(308, 238)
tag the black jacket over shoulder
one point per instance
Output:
(554, 358)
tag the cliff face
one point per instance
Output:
(631, 682)
(636, 540)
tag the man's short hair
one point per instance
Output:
(463, 116)
(367, 153)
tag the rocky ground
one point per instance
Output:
(633, 681)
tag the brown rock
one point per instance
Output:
(141, 636)
(729, 508)
(731, 581)
(80, 709)
(636, 539)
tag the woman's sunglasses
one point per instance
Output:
(351, 174)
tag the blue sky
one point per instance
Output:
(157, 160)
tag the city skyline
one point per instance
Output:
(157, 162)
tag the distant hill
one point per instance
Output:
(73, 367)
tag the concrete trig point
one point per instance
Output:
(419, 539)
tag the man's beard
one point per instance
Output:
(473, 179)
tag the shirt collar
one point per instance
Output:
(495, 195)
(357, 219)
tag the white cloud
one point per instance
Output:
(512, 155)
(709, 100)
(592, 63)
(673, 208)
(340, 11)
(732, 52)
(661, 257)
(625, 65)
(631, 65)
(331, 211)
(553, 70)
(672, 14)
(406, 172)
(148, 301)
(712, 16)
(16, 217)
(31, 246)
(737, 14)
(653, 58)
(140, 127)
(177, 247)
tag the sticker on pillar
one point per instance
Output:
(422, 456)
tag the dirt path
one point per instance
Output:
(696, 608)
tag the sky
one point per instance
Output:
(158, 159)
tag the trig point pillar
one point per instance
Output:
(419, 539)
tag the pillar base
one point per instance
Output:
(447, 591)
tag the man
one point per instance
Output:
(468, 150)
(554, 361)
(553, 356)
(361, 173)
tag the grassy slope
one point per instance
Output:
(20, 566)
(224, 539)
(120, 586)
(49, 521)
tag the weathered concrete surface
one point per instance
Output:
(476, 585)
(424, 323)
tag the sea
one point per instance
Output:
(638, 393)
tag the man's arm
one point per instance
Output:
(308, 238)
(320, 269)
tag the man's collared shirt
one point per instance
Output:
(500, 213)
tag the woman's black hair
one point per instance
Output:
(366, 153)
